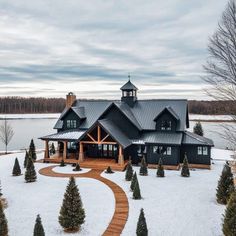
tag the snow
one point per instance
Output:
(45, 196)
(210, 117)
(30, 116)
(221, 154)
(68, 169)
(173, 205)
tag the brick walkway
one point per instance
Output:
(121, 213)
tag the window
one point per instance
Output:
(165, 125)
(202, 150)
(162, 150)
(71, 124)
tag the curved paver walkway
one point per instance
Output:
(120, 215)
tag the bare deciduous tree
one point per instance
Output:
(220, 67)
(6, 133)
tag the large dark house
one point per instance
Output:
(128, 129)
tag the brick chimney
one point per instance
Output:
(70, 99)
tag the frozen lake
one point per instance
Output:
(35, 126)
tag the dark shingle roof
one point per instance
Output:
(191, 138)
(142, 114)
(170, 110)
(162, 137)
(115, 132)
(129, 86)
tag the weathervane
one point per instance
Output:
(129, 76)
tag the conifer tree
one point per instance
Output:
(52, 149)
(160, 169)
(136, 191)
(141, 225)
(16, 168)
(143, 168)
(197, 129)
(77, 167)
(30, 173)
(133, 181)
(3, 222)
(109, 170)
(38, 227)
(225, 185)
(185, 169)
(129, 172)
(26, 158)
(72, 214)
(62, 163)
(32, 151)
(229, 221)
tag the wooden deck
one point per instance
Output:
(121, 213)
(91, 163)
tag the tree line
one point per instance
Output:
(19, 105)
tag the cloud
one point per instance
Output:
(48, 48)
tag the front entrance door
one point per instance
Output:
(103, 150)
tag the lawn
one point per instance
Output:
(173, 205)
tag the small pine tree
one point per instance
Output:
(77, 167)
(229, 221)
(26, 158)
(30, 173)
(16, 168)
(52, 149)
(133, 181)
(160, 169)
(62, 164)
(143, 168)
(72, 214)
(225, 185)
(185, 169)
(129, 172)
(197, 129)
(109, 170)
(32, 151)
(38, 227)
(136, 192)
(3, 222)
(141, 229)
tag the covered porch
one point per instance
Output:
(94, 148)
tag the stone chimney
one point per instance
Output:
(70, 99)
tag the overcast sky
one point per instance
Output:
(48, 48)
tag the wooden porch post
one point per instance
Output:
(121, 156)
(81, 152)
(64, 150)
(46, 152)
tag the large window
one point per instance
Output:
(166, 151)
(165, 125)
(71, 124)
(202, 151)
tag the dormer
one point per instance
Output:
(129, 93)
(167, 120)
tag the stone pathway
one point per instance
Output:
(121, 213)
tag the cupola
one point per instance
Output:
(129, 93)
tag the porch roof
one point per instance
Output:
(72, 135)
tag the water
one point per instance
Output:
(25, 129)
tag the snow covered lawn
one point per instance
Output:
(45, 196)
(68, 169)
(173, 205)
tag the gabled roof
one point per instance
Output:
(170, 110)
(191, 138)
(142, 114)
(129, 86)
(115, 132)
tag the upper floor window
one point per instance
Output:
(202, 150)
(162, 150)
(165, 125)
(71, 124)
